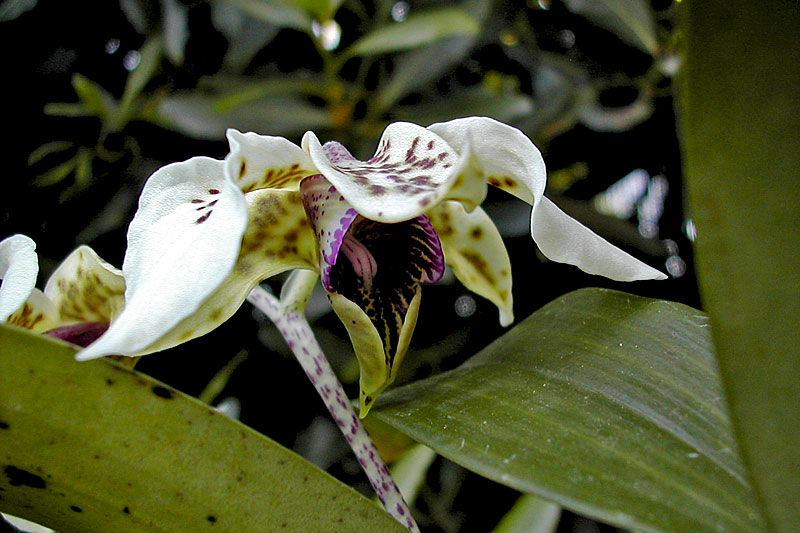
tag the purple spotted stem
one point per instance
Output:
(297, 332)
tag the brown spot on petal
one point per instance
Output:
(480, 265)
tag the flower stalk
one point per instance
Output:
(290, 320)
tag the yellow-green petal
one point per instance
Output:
(475, 251)
(263, 161)
(37, 313)
(377, 368)
(84, 288)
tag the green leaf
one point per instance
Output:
(741, 118)
(417, 30)
(200, 116)
(630, 20)
(97, 100)
(150, 59)
(11, 9)
(319, 9)
(606, 403)
(285, 14)
(235, 91)
(530, 514)
(48, 149)
(410, 471)
(470, 102)
(97, 447)
(417, 68)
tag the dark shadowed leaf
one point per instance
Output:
(742, 116)
(605, 403)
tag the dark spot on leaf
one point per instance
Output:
(22, 478)
(76, 508)
(3, 425)
(110, 381)
(211, 518)
(126, 510)
(163, 392)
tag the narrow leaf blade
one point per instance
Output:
(417, 30)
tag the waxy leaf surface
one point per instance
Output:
(96, 447)
(605, 403)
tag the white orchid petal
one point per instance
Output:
(182, 244)
(278, 238)
(412, 170)
(508, 158)
(262, 161)
(475, 251)
(37, 314)
(562, 238)
(19, 266)
(513, 163)
(84, 288)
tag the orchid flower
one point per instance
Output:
(208, 231)
(82, 296)
(19, 267)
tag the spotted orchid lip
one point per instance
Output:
(332, 218)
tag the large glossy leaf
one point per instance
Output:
(742, 118)
(97, 447)
(606, 403)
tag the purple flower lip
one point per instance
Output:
(82, 334)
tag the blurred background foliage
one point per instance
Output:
(100, 94)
